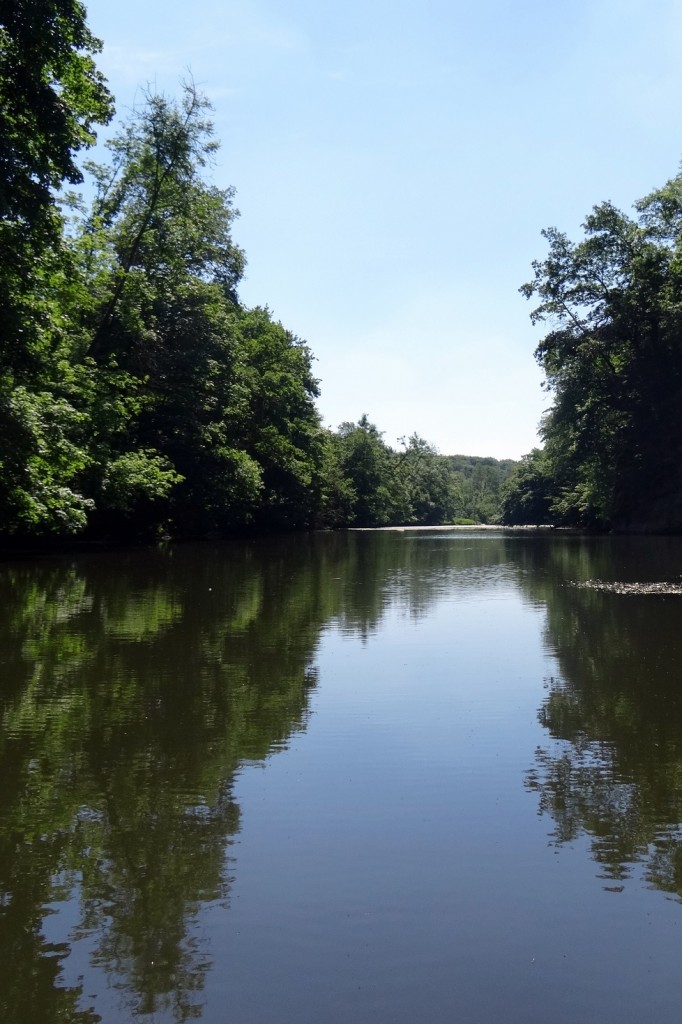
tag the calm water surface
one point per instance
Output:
(392, 777)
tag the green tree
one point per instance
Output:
(163, 328)
(612, 359)
(281, 428)
(221, 422)
(432, 491)
(51, 99)
(479, 481)
(337, 495)
(527, 491)
(370, 467)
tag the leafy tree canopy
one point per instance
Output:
(51, 98)
(613, 362)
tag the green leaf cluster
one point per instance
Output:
(613, 363)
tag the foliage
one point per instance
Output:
(480, 482)
(432, 491)
(51, 97)
(281, 428)
(368, 464)
(152, 396)
(526, 493)
(366, 483)
(137, 393)
(135, 474)
(612, 359)
(226, 410)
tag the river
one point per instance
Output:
(358, 777)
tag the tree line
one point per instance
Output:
(612, 358)
(138, 394)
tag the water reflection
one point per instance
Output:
(131, 691)
(135, 686)
(614, 709)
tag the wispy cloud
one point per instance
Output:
(211, 37)
(136, 66)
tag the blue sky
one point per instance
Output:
(394, 166)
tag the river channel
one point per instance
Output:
(387, 777)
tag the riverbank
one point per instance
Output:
(470, 528)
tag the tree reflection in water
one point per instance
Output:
(614, 709)
(132, 695)
(134, 686)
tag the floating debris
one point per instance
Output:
(629, 588)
